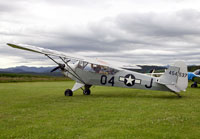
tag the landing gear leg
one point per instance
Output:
(68, 92)
(87, 91)
(179, 96)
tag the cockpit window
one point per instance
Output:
(82, 64)
(197, 72)
(97, 68)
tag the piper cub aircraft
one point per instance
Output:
(87, 72)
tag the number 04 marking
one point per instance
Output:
(104, 80)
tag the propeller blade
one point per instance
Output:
(60, 66)
(55, 69)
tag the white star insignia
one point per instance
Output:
(129, 80)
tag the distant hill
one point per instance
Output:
(46, 70)
(32, 70)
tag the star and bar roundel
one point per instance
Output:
(129, 80)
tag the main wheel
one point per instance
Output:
(68, 92)
(194, 85)
(86, 92)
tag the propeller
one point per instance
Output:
(60, 66)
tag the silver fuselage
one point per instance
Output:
(122, 78)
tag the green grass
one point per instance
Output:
(40, 110)
(17, 77)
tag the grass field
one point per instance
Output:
(16, 77)
(40, 110)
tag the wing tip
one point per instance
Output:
(10, 44)
(24, 47)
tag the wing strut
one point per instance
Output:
(74, 73)
(52, 59)
(76, 76)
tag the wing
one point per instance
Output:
(116, 65)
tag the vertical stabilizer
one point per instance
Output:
(175, 77)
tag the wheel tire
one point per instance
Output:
(68, 92)
(86, 92)
(194, 85)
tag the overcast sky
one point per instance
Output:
(134, 31)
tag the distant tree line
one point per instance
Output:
(193, 68)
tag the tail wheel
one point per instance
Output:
(86, 92)
(68, 92)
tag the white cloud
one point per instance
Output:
(149, 52)
(139, 31)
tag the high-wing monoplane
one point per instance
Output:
(195, 77)
(89, 72)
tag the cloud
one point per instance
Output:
(184, 22)
(138, 32)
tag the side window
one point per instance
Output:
(88, 67)
(99, 69)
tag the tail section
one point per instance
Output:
(175, 77)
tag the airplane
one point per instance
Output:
(87, 72)
(194, 76)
